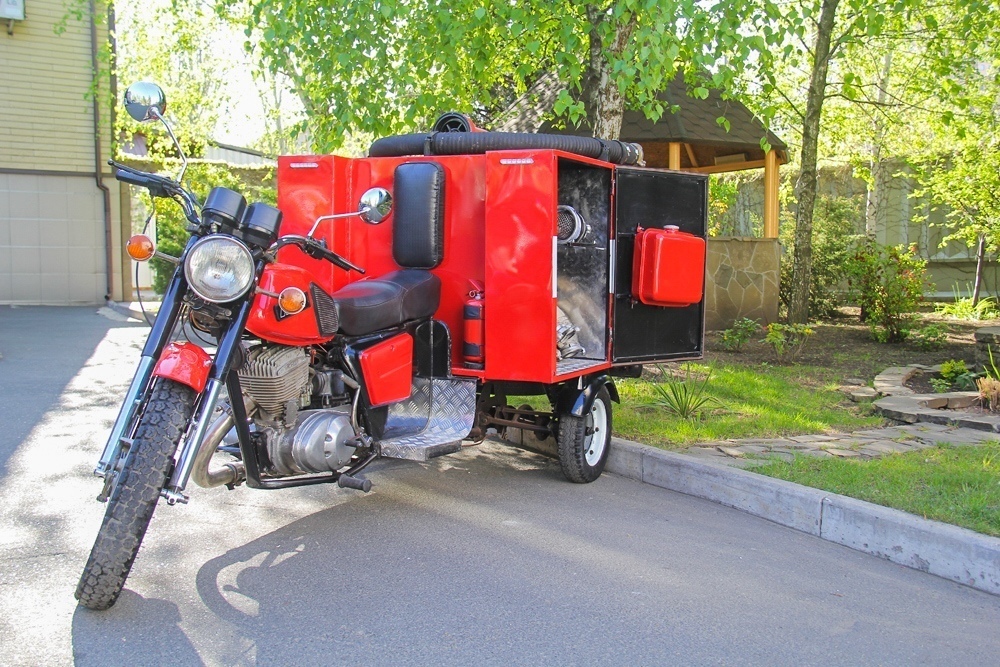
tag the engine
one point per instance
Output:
(278, 379)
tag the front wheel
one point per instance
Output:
(584, 442)
(141, 477)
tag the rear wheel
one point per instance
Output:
(584, 442)
(134, 494)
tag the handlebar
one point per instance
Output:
(158, 186)
(317, 250)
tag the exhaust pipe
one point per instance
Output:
(234, 472)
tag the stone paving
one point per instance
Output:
(901, 404)
(864, 445)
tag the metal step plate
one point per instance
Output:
(433, 421)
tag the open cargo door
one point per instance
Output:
(658, 200)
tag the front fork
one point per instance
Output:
(158, 338)
(187, 453)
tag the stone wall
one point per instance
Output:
(742, 281)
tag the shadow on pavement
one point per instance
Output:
(42, 349)
(136, 630)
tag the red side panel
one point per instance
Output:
(185, 363)
(387, 369)
(668, 267)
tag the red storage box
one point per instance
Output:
(668, 267)
(387, 369)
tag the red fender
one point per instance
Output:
(185, 363)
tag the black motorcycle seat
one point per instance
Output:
(369, 305)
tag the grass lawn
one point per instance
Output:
(751, 402)
(957, 485)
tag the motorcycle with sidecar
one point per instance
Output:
(392, 306)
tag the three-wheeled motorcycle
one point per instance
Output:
(392, 306)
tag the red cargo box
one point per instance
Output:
(388, 369)
(668, 267)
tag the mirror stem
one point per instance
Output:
(177, 145)
(330, 217)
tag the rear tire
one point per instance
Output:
(143, 474)
(584, 442)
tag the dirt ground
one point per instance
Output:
(845, 347)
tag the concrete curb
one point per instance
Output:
(929, 546)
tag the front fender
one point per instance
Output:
(185, 363)
(578, 402)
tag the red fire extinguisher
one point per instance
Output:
(472, 347)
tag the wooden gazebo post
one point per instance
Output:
(771, 194)
(674, 155)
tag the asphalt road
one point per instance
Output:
(482, 558)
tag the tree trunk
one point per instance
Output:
(806, 185)
(980, 260)
(602, 98)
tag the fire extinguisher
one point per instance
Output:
(472, 310)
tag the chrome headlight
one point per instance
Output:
(219, 269)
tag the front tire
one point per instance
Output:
(133, 498)
(584, 442)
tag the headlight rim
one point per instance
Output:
(194, 282)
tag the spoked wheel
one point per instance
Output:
(141, 476)
(584, 442)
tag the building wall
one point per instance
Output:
(53, 231)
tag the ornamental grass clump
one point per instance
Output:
(989, 393)
(684, 396)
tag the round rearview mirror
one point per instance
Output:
(145, 101)
(375, 205)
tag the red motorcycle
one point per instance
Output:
(505, 265)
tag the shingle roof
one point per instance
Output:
(693, 123)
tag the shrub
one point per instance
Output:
(888, 283)
(834, 234)
(787, 340)
(739, 334)
(171, 225)
(940, 385)
(930, 337)
(952, 369)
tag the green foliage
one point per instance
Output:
(940, 385)
(171, 226)
(787, 340)
(735, 337)
(683, 396)
(835, 224)
(952, 369)
(888, 284)
(928, 338)
(388, 66)
(963, 308)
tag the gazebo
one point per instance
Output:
(743, 272)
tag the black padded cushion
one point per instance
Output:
(370, 305)
(418, 221)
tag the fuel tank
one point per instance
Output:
(316, 323)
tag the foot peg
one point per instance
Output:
(348, 482)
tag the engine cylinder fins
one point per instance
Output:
(273, 375)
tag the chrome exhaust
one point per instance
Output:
(233, 472)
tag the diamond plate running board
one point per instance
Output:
(432, 422)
